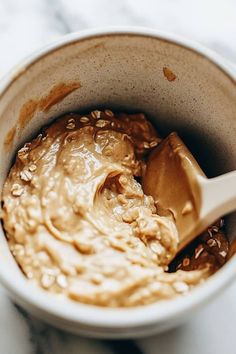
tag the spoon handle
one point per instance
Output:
(218, 196)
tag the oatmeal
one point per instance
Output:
(78, 222)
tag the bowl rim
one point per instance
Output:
(117, 318)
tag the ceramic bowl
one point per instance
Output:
(180, 85)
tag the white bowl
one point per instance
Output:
(121, 68)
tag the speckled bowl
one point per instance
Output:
(180, 85)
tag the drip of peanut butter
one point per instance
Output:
(77, 220)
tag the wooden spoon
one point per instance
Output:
(180, 189)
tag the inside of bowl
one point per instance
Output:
(179, 89)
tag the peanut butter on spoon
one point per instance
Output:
(179, 187)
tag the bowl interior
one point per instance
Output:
(176, 87)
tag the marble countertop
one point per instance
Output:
(28, 24)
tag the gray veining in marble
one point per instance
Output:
(26, 25)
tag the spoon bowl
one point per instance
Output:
(181, 190)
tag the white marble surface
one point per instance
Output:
(26, 25)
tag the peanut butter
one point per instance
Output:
(77, 220)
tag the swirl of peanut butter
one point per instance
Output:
(77, 220)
